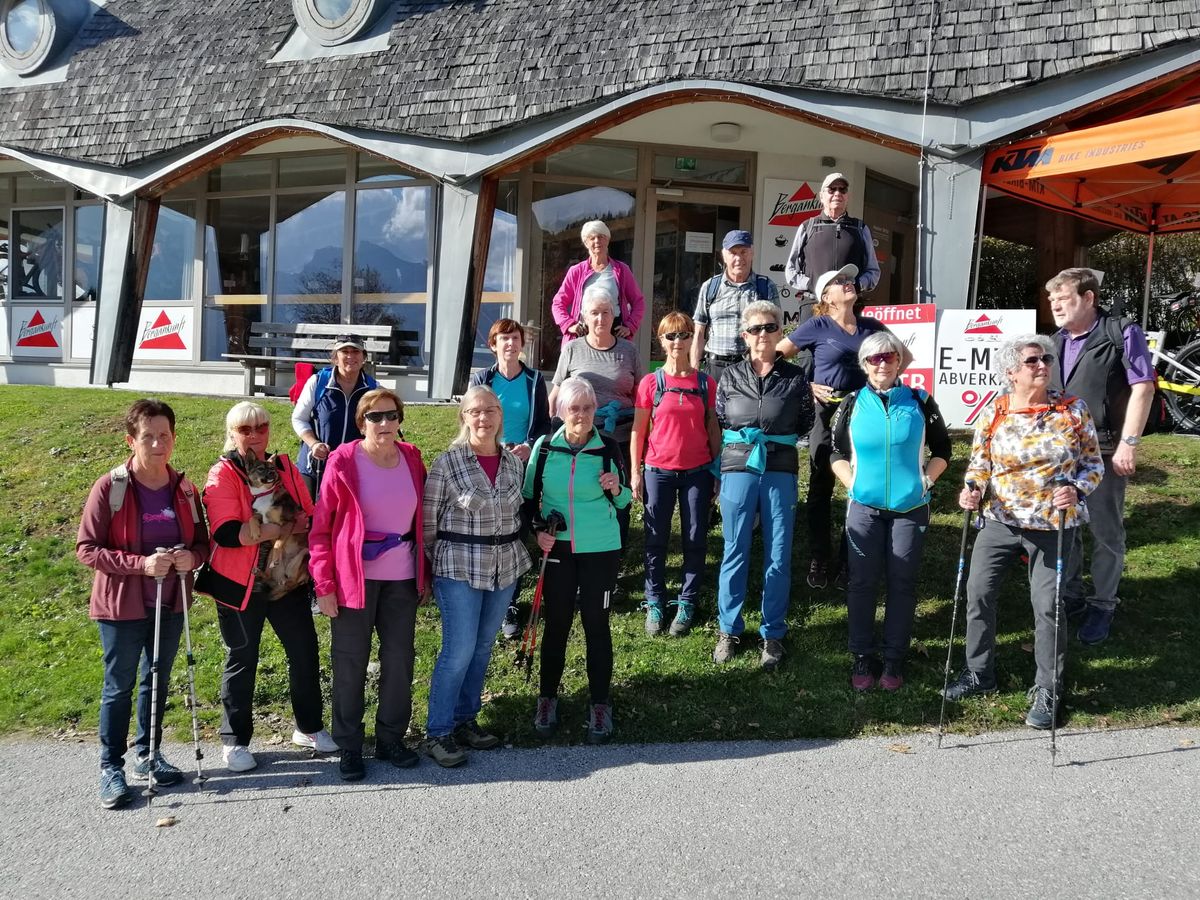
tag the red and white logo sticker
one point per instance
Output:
(985, 324)
(163, 334)
(38, 332)
(791, 212)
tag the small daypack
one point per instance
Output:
(608, 453)
(120, 484)
(660, 388)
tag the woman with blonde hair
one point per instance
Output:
(370, 571)
(240, 543)
(676, 437)
(473, 534)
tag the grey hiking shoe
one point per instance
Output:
(685, 616)
(654, 618)
(772, 653)
(726, 647)
(444, 751)
(1041, 713)
(600, 723)
(969, 684)
(545, 722)
(473, 736)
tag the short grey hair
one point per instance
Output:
(880, 342)
(594, 227)
(573, 389)
(464, 430)
(761, 308)
(598, 292)
(1009, 356)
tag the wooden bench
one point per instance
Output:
(390, 351)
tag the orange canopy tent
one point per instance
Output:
(1139, 174)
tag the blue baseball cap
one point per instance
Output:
(737, 238)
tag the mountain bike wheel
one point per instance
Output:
(1184, 408)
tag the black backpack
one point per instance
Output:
(660, 388)
(762, 287)
(608, 452)
(1157, 420)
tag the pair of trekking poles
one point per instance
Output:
(958, 583)
(554, 524)
(151, 788)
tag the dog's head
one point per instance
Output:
(260, 473)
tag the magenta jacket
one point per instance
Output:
(335, 539)
(569, 299)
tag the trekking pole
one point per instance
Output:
(191, 667)
(1058, 573)
(529, 638)
(152, 760)
(958, 580)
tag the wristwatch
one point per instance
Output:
(1131, 439)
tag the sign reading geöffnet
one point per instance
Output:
(964, 379)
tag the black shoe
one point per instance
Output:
(351, 767)
(512, 623)
(1040, 714)
(969, 684)
(397, 754)
(1096, 625)
(1075, 607)
(473, 736)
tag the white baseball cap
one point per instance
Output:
(848, 271)
(835, 176)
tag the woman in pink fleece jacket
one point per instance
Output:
(598, 268)
(367, 557)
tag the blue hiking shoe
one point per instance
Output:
(165, 774)
(654, 618)
(1096, 625)
(114, 792)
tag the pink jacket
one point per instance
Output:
(336, 538)
(568, 301)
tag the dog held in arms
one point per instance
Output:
(285, 567)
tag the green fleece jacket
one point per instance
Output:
(571, 485)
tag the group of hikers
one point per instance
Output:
(558, 466)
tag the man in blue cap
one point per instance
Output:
(718, 342)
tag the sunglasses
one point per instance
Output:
(1032, 361)
(769, 328)
(378, 417)
(347, 338)
(878, 359)
(836, 189)
(677, 336)
(844, 282)
(247, 430)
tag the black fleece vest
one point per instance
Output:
(1099, 380)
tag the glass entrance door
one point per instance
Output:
(687, 230)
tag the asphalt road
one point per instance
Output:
(986, 816)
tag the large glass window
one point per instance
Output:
(237, 247)
(173, 254)
(89, 237)
(36, 255)
(390, 279)
(309, 239)
(592, 161)
(241, 175)
(559, 211)
(500, 276)
(700, 170)
(312, 170)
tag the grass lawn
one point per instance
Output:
(54, 442)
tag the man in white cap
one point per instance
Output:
(829, 241)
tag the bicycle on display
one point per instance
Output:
(1179, 368)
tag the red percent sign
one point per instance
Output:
(972, 399)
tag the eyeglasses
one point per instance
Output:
(837, 189)
(768, 327)
(581, 410)
(1032, 361)
(677, 336)
(480, 413)
(844, 282)
(878, 359)
(247, 430)
(379, 416)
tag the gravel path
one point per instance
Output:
(985, 816)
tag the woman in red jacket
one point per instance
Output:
(132, 510)
(369, 566)
(243, 606)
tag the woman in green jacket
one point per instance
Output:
(577, 472)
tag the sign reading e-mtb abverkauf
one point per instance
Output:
(964, 378)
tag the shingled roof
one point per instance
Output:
(150, 77)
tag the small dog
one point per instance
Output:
(285, 567)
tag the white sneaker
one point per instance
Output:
(239, 759)
(321, 742)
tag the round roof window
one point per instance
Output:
(23, 25)
(33, 32)
(332, 22)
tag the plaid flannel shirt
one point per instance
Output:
(460, 497)
(723, 317)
